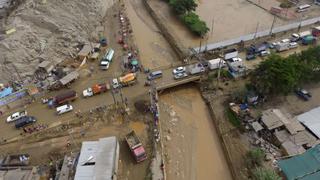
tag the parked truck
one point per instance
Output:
(282, 46)
(308, 40)
(216, 63)
(195, 68)
(62, 98)
(231, 53)
(126, 80)
(136, 147)
(96, 89)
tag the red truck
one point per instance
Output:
(136, 147)
(96, 89)
(62, 98)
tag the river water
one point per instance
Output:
(193, 150)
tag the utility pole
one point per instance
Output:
(255, 34)
(219, 71)
(272, 25)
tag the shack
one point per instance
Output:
(69, 78)
(311, 120)
(88, 49)
(46, 66)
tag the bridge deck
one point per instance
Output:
(169, 84)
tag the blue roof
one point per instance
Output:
(302, 167)
(5, 92)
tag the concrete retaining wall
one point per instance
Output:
(179, 49)
(221, 137)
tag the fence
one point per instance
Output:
(252, 36)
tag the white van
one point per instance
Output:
(64, 109)
(303, 8)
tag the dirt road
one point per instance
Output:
(193, 149)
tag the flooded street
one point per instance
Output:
(154, 50)
(193, 149)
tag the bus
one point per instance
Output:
(109, 55)
(303, 8)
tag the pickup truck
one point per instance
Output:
(96, 89)
(303, 94)
(136, 147)
(15, 116)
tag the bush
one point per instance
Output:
(195, 24)
(183, 6)
(255, 158)
(286, 4)
(265, 174)
(233, 118)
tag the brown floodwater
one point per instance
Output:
(190, 138)
(154, 50)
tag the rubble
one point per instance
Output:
(47, 30)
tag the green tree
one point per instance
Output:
(194, 23)
(255, 157)
(265, 174)
(183, 6)
(276, 75)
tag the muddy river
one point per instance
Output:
(154, 51)
(193, 150)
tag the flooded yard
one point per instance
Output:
(229, 19)
(193, 149)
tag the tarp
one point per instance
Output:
(305, 166)
(5, 92)
(134, 62)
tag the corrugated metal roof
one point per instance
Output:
(98, 159)
(311, 120)
(304, 166)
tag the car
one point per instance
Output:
(236, 59)
(115, 83)
(15, 116)
(25, 120)
(293, 45)
(285, 40)
(179, 70)
(180, 75)
(273, 45)
(294, 37)
(264, 53)
(303, 94)
(250, 57)
(104, 65)
(154, 75)
(64, 109)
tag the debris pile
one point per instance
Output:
(48, 30)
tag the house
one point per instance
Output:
(98, 160)
(311, 120)
(87, 50)
(305, 166)
(288, 131)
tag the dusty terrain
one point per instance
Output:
(51, 145)
(48, 30)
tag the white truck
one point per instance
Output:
(231, 53)
(216, 63)
(282, 46)
(15, 116)
(195, 69)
